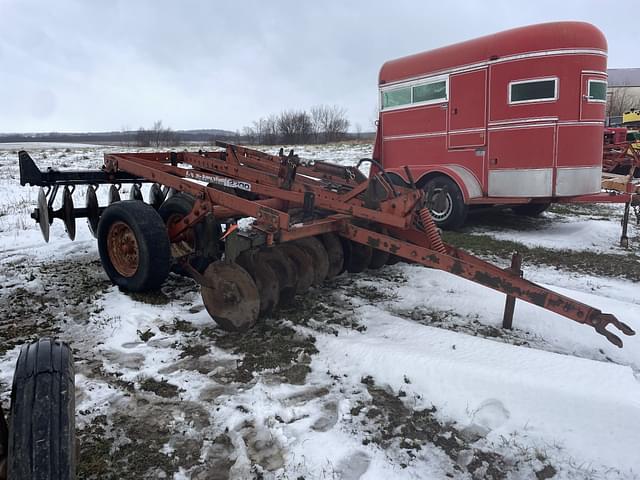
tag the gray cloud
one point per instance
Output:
(74, 65)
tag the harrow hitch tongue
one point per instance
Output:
(311, 221)
(600, 321)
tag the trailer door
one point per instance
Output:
(468, 110)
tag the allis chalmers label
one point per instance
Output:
(225, 182)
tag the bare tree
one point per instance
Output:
(143, 137)
(295, 127)
(621, 101)
(322, 124)
(126, 136)
(158, 136)
(330, 123)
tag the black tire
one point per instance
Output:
(42, 443)
(449, 211)
(530, 209)
(154, 253)
(206, 234)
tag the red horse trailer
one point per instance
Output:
(513, 118)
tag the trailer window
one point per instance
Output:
(430, 91)
(396, 97)
(597, 91)
(533, 90)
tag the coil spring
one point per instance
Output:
(433, 235)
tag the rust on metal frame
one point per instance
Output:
(278, 187)
(478, 271)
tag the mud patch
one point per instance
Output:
(162, 388)
(271, 347)
(141, 440)
(389, 423)
(471, 326)
(48, 296)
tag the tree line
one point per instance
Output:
(157, 136)
(321, 124)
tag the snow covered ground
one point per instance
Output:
(398, 373)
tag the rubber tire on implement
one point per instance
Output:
(335, 252)
(265, 279)
(457, 214)
(319, 257)
(154, 254)
(230, 296)
(42, 444)
(206, 233)
(530, 209)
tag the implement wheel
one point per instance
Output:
(230, 296)
(199, 243)
(42, 442)
(134, 246)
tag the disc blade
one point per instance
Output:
(303, 263)
(319, 256)
(230, 296)
(335, 252)
(265, 279)
(357, 256)
(285, 270)
(393, 259)
(43, 214)
(156, 196)
(136, 193)
(379, 258)
(68, 215)
(93, 210)
(114, 194)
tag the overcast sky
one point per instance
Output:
(103, 65)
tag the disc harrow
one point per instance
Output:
(307, 222)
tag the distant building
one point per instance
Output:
(623, 92)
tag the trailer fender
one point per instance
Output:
(466, 181)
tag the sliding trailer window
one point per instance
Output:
(529, 91)
(419, 92)
(597, 91)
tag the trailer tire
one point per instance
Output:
(530, 209)
(134, 246)
(450, 212)
(205, 234)
(42, 436)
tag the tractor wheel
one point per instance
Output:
(200, 243)
(42, 443)
(447, 207)
(134, 246)
(530, 209)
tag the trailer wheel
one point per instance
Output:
(42, 442)
(447, 207)
(199, 242)
(530, 209)
(134, 246)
